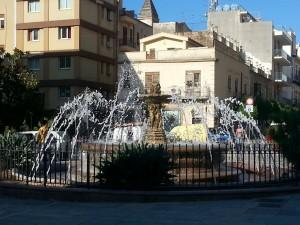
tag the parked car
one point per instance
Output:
(57, 141)
(219, 137)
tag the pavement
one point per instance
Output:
(279, 210)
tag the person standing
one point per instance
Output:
(42, 133)
(239, 135)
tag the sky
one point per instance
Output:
(281, 12)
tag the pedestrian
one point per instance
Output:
(239, 135)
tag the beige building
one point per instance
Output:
(187, 67)
(131, 30)
(7, 25)
(72, 45)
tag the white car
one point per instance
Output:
(57, 140)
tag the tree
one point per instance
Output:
(19, 98)
(287, 131)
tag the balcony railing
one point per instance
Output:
(283, 34)
(129, 13)
(197, 92)
(129, 43)
(296, 78)
(281, 77)
(282, 53)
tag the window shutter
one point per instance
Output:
(69, 32)
(59, 33)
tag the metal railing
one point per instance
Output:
(280, 76)
(282, 53)
(201, 166)
(197, 92)
(129, 43)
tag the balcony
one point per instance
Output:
(283, 36)
(128, 45)
(280, 56)
(296, 78)
(199, 93)
(281, 77)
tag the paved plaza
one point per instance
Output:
(280, 210)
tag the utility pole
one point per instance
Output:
(213, 5)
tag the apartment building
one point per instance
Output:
(266, 47)
(7, 25)
(72, 45)
(186, 66)
(131, 30)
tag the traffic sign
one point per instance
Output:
(249, 101)
(249, 108)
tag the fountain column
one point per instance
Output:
(155, 133)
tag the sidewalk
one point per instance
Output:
(280, 210)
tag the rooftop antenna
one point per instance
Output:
(213, 5)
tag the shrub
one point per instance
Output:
(140, 165)
(15, 150)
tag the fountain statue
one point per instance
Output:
(155, 133)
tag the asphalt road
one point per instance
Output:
(280, 210)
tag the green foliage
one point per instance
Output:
(15, 150)
(287, 131)
(18, 91)
(140, 165)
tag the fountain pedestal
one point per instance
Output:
(155, 133)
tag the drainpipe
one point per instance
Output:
(241, 85)
(117, 40)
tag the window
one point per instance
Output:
(34, 63)
(229, 83)
(102, 39)
(64, 32)
(108, 69)
(103, 12)
(131, 36)
(236, 86)
(2, 22)
(151, 78)
(124, 35)
(65, 62)
(108, 42)
(64, 4)
(33, 35)
(34, 6)
(102, 67)
(138, 38)
(257, 90)
(109, 15)
(192, 79)
(64, 92)
(245, 89)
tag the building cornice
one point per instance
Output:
(173, 61)
(100, 2)
(80, 53)
(62, 23)
(76, 83)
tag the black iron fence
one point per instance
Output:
(203, 166)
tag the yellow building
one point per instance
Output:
(72, 45)
(7, 25)
(197, 66)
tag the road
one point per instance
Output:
(280, 210)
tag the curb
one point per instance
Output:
(105, 195)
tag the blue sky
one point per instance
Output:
(281, 12)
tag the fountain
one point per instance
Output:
(155, 133)
(131, 116)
